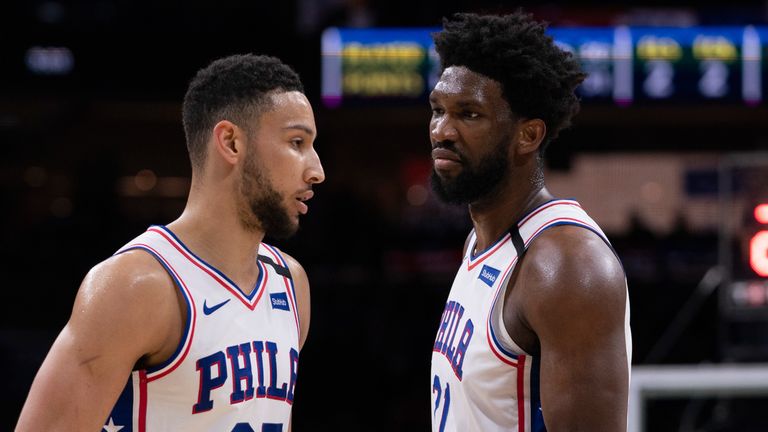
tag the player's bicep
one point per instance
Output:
(71, 390)
(117, 318)
(578, 317)
(584, 381)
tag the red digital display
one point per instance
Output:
(758, 244)
(761, 213)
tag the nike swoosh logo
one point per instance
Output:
(209, 310)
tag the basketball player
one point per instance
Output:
(535, 332)
(197, 325)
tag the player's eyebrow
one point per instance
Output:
(461, 103)
(304, 128)
(468, 103)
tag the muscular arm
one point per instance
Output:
(123, 313)
(575, 304)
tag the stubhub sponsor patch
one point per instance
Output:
(488, 275)
(279, 301)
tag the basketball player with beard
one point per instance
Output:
(197, 325)
(535, 333)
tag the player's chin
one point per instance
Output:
(295, 224)
(446, 175)
(443, 180)
(285, 231)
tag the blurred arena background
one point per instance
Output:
(92, 152)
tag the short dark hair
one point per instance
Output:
(233, 88)
(537, 78)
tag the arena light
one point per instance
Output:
(758, 253)
(49, 60)
(761, 213)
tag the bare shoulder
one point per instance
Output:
(125, 313)
(572, 294)
(134, 275)
(571, 271)
(574, 257)
(123, 297)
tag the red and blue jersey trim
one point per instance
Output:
(249, 300)
(504, 355)
(475, 260)
(290, 288)
(142, 401)
(498, 350)
(536, 415)
(528, 367)
(182, 349)
(564, 221)
(130, 410)
(521, 393)
(544, 206)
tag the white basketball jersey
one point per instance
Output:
(481, 379)
(235, 368)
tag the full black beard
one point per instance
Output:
(473, 184)
(274, 219)
(265, 204)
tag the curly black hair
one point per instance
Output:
(234, 88)
(537, 78)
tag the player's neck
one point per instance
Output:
(492, 218)
(211, 228)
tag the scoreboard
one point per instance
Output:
(359, 65)
(625, 65)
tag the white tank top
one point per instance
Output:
(235, 368)
(481, 379)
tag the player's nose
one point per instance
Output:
(442, 129)
(314, 173)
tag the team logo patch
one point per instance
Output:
(488, 275)
(279, 301)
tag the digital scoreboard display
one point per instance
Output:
(743, 258)
(758, 243)
(385, 64)
(744, 232)
(625, 65)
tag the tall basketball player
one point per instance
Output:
(197, 325)
(535, 332)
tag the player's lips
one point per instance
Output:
(304, 196)
(445, 159)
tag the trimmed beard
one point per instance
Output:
(472, 184)
(261, 206)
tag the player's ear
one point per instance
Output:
(227, 141)
(531, 133)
